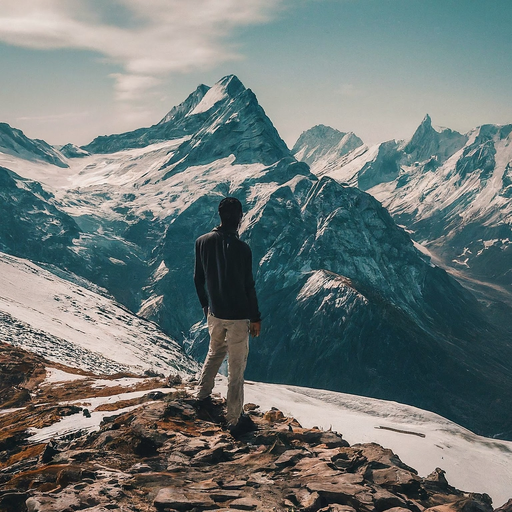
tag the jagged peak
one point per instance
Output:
(188, 105)
(232, 85)
(427, 121)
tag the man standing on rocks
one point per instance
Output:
(225, 287)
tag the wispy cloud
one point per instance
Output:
(149, 39)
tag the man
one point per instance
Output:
(223, 264)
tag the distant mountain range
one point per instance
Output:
(350, 302)
(452, 192)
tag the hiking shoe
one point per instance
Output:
(244, 425)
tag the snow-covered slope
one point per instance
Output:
(73, 325)
(14, 142)
(349, 303)
(323, 144)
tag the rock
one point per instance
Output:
(11, 501)
(212, 456)
(234, 484)
(140, 468)
(225, 495)
(307, 500)
(336, 491)
(384, 500)
(397, 479)
(273, 416)
(438, 477)
(337, 508)
(467, 504)
(178, 499)
(291, 457)
(245, 504)
(52, 448)
(69, 475)
(64, 501)
(379, 457)
(507, 507)
(204, 485)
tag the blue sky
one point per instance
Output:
(75, 69)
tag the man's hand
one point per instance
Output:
(255, 329)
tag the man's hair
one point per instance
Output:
(230, 211)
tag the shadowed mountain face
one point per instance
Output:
(349, 303)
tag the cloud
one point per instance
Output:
(130, 87)
(148, 39)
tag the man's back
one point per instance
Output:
(224, 264)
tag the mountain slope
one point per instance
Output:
(70, 324)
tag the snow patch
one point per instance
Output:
(214, 95)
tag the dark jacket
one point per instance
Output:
(224, 265)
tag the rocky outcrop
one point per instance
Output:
(162, 452)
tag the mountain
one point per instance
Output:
(14, 142)
(349, 302)
(215, 123)
(451, 191)
(322, 143)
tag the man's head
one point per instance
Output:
(230, 211)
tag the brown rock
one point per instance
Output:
(234, 484)
(204, 485)
(312, 465)
(225, 495)
(273, 416)
(472, 503)
(178, 499)
(69, 475)
(379, 457)
(291, 457)
(245, 504)
(212, 456)
(337, 508)
(336, 491)
(398, 480)
(384, 500)
(307, 500)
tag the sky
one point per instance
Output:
(76, 69)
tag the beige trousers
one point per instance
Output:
(229, 337)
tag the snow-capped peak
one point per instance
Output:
(213, 96)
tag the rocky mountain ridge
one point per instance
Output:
(156, 449)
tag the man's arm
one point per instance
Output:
(200, 278)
